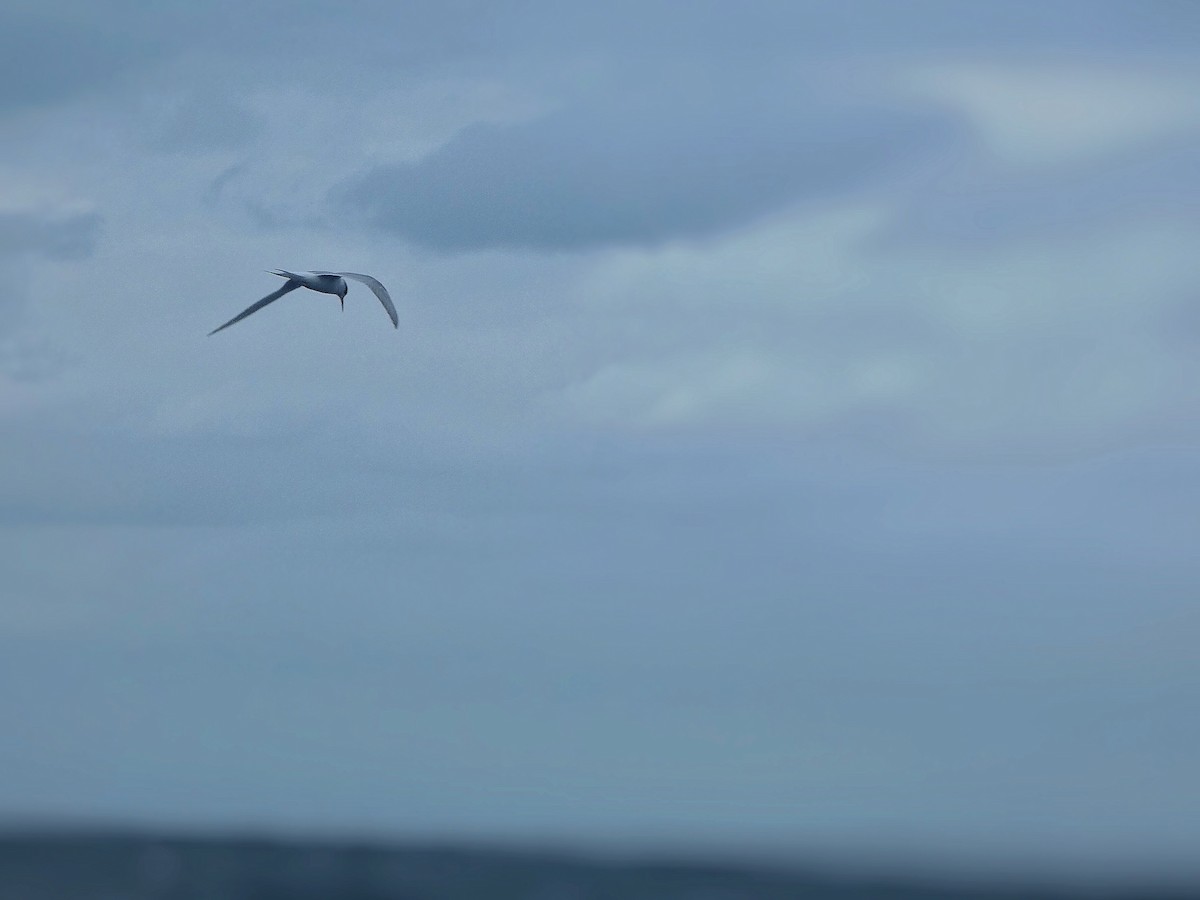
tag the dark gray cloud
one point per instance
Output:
(723, 34)
(46, 59)
(665, 152)
(53, 50)
(640, 169)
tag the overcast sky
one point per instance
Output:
(790, 439)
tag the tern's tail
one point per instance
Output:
(283, 273)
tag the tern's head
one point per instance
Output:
(342, 289)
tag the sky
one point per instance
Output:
(790, 439)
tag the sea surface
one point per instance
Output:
(111, 866)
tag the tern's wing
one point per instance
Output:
(380, 292)
(270, 298)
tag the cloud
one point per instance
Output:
(121, 479)
(1052, 114)
(36, 225)
(201, 123)
(47, 59)
(52, 50)
(711, 488)
(979, 205)
(809, 325)
(1057, 152)
(59, 236)
(640, 169)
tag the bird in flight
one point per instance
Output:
(323, 282)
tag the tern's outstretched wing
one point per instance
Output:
(380, 292)
(288, 286)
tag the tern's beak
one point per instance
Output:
(342, 300)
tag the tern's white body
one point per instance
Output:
(324, 282)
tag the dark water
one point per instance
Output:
(99, 866)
